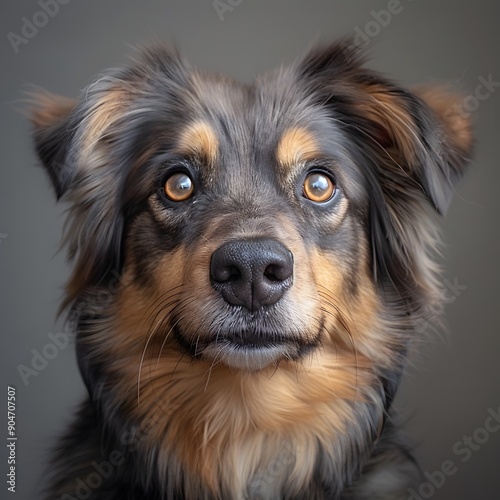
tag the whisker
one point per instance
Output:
(328, 294)
(179, 308)
(165, 299)
(153, 332)
(165, 340)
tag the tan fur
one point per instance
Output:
(387, 111)
(296, 145)
(200, 139)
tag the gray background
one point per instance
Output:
(448, 392)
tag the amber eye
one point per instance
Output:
(179, 187)
(318, 187)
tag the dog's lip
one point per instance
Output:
(249, 350)
(242, 340)
(249, 357)
(253, 340)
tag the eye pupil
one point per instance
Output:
(179, 187)
(318, 187)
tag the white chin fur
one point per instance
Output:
(248, 358)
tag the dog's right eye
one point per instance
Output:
(178, 187)
(318, 187)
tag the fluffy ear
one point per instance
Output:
(453, 143)
(90, 149)
(412, 148)
(83, 175)
(52, 131)
(423, 133)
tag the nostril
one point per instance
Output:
(234, 274)
(272, 273)
(280, 270)
(222, 270)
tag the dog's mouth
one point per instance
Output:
(248, 349)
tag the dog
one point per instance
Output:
(251, 265)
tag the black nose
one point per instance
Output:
(252, 273)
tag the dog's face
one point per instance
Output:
(272, 240)
(251, 233)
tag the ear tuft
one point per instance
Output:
(330, 60)
(447, 107)
(49, 109)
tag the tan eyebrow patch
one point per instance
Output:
(297, 144)
(200, 139)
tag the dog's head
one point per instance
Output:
(281, 228)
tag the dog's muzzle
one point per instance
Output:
(252, 275)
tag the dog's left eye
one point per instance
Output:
(318, 187)
(179, 187)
